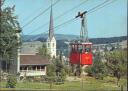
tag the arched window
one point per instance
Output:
(53, 45)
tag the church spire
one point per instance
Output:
(51, 30)
(51, 41)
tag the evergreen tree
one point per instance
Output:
(60, 70)
(51, 75)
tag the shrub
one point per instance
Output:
(98, 69)
(11, 81)
(89, 71)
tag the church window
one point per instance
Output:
(53, 44)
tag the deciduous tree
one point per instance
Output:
(98, 69)
(9, 28)
(43, 51)
(117, 63)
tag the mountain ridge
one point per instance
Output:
(64, 37)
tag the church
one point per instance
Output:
(51, 41)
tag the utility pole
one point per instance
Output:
(0, 9)
(0, 42)
(0, 15)
(0, 20)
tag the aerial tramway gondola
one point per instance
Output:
(81, 50)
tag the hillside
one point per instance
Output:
(43, 37)
(64, 38)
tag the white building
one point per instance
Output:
(51, 41)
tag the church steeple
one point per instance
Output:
(51, 30)
(51, 41)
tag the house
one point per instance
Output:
(33, 65)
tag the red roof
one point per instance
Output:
(33, 60)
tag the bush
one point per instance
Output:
(98, 69)
(59, 81)
(11, 81)
(89, 71)
(29, 79)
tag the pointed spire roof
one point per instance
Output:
(51, 30)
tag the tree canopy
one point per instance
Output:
(9, 31)
(117, 63)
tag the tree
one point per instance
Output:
(43, 51)
(117, 63)
(60, 70)
(56, 72)
(51, 75)
(98, 69)
(9, 28)
(11, 82)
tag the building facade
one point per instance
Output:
(33, 65)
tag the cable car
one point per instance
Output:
(81, 51)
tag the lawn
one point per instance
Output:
(88, 83)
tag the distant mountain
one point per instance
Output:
(43, 37)
(65, 38)
(108, 40)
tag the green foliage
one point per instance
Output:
(89, 71)
(11, 82)
(56, 71)
(68, 70)
(98, 69)
(60, 69)
(117, 63)
(8, 35)
(51, 70)
(89, 84)
(43, 51)
(51, 75)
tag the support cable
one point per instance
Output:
(88, 12)
(29, 22)
(56, 18)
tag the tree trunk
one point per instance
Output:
(6, 67)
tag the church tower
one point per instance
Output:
(51, 41)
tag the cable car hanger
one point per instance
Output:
(83, 32)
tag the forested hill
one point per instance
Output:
(108, 40)
(67, 38)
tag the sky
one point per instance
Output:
(109, 21)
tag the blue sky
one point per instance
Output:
(109, 21)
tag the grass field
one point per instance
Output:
(88, 83)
